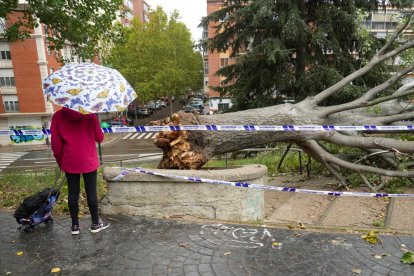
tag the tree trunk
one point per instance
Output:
(192, 149)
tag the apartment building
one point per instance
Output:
(213, 61)
(23, 66)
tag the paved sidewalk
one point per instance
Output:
(340, 213)
(143, 246)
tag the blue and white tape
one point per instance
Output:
(284, 128)
(126, 171)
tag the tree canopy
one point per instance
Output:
(158, 57)
(293, 48)
(81, 23)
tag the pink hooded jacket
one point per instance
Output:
(73, 140)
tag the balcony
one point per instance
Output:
(6, 64)
(8, 90)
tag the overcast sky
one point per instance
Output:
(191, 12)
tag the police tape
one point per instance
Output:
(126, 171)
(9, 132)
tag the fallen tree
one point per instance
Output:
(192, 149)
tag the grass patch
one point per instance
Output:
(14, 187)
(271, 159)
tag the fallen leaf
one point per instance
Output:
(290, 226)
(277, 245)
(185, 245)
(371, 237)
(296, 235)
(408, 258)
(226, 253)
(12, 241)
(377, 257)
(55, 270)
(301, 226)
(356, 271)
(19, 253)
(8, 273)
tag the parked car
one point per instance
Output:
(190, 108)
(123, 121)
(141, 113)
(160, 103)
(145, 112)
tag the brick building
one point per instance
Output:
(23, 66)
(213, 62)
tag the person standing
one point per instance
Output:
(74, 137)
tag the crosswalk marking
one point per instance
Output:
(135, 135)
(148, 135)
(139, 135)
(127, 136)
(6, 158)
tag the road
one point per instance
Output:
(126, 149)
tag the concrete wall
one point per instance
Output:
(149, 195)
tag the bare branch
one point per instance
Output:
(389, 98)
(356, 167)
(395, 118)
(314, 152)
(362, 101)
(363, 177)
(370, 142)
(341, 84)
(404, 88)
(394, 36)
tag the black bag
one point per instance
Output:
(32, 203)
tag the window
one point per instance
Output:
(5, 55)
(49, 50)
(224, 62)
(7, 81)
(2, 25)
(11, 103)
(205, 67)
(224, 18)
(223, 106)
(206, 83)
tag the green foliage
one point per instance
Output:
(158, 57)
(82, 23)
(294, 49)
(270, 159)
(408, 258)
(396, 185)
(378, 223)
(14, 187)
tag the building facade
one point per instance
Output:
(23, 66)
(213, 61)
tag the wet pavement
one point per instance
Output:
(144, 246)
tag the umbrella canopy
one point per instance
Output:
(88, 88)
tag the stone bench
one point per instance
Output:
(155, 196)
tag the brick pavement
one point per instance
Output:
(144, 246)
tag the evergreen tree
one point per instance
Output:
(293, 48)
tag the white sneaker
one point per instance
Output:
(95, 228)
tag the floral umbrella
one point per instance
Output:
(88, 88)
